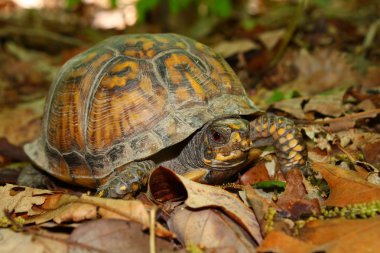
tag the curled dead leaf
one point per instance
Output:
(346, 186)
(109, 235)
(210, 229)
(200, 196)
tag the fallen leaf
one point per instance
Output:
(22, 123)
(108, 235)
(291, 106)
(371, 153)
(12, 242)
(260, 203)
(348, 121)
(200, 196)
(330, 105)
(271, 38)
(294, 199)
(280, 242)
(52, 242)
(319, 70)
(255, 174)
(210, 229)
(346, 186)
(229, 48)
(342, 235)
(19, 199)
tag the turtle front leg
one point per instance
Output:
(284, 136)
(127, 180)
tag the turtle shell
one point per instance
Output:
(129, 97)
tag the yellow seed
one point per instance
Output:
(281, 131)
(298, 148)
(272, 129)
(292, 143)
(289, 136)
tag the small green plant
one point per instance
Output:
(219, 8)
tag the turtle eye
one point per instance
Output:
(217, 136)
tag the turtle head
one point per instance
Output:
(226, 143)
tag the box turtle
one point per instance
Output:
(135, 102)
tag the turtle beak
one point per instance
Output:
(196, 175)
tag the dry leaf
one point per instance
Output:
(199, 196)
(294, 199)
(255, 174)
(271, 38)
(107, 235)
(292, 107)
(342, 235)
(260, 203)
(12, 242)
(346, 186)
(230, 48)
(280, 242)
(371, 153)
(76, 212)
(349, 121)
(330, 105)
(22, 123)
(318, 71)
(20, 199)
(210, 229)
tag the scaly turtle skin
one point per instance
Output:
(133, 102)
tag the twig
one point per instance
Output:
(31, 231)
(152, 230)
(371, 34)
(289, 34)
(39, 33)
(351, 117)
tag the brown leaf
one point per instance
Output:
(19, 199)
(330, 105)
(346, 186)
(210, 229)
(260, 203)
(22, 123)
(348, 121)
(76, 212)
(342, 235)
(271, 38)
(291, 106)
(294, 200)
(200, 196)
(371, 153)
(255, 174)
(318, 71)
(107, 235)
(18, 242)
(280, 242)
(230, 48)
